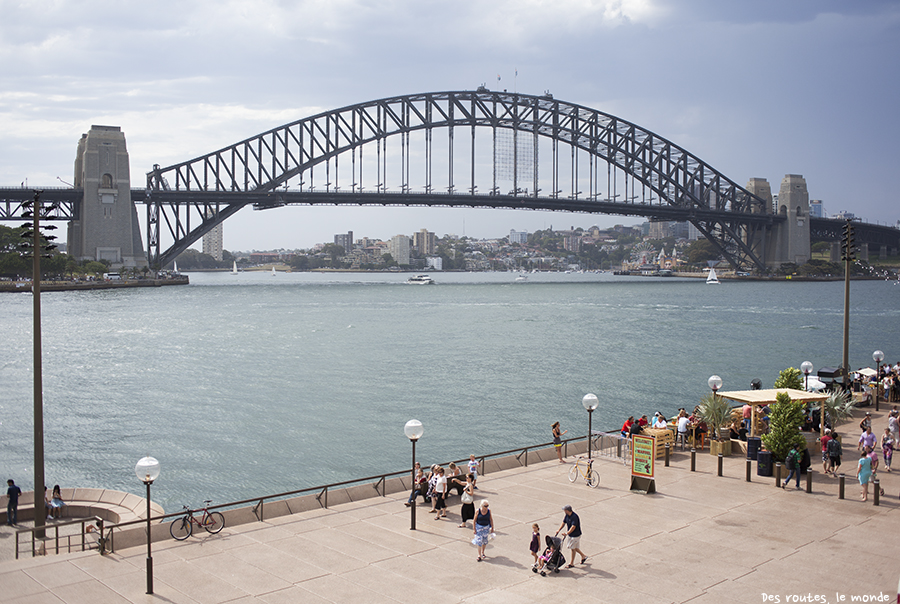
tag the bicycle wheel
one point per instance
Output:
(573, 473)
(181, 528)
(215, 522)
(593, 479)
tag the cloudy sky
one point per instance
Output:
(756, 88)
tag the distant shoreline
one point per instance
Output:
(64, 286)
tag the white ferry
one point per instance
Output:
(421, 280)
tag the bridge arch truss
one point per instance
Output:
(468, 148)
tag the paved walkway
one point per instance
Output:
(701, 538)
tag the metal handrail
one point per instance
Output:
(322, 490)
(56, 538)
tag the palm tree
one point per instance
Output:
(838, 407)
(715, 412)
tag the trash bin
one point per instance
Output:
(764, 463)
(754, 444)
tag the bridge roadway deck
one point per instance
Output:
(701, 539)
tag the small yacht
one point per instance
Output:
(421, 280)
(711, 279)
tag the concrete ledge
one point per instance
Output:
(113, 506)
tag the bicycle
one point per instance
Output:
(585, 468)
(181, 528)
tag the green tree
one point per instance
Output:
(785, 419)
(92, 267)
(790, 378)
(701, 251)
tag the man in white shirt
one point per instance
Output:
(682, 428)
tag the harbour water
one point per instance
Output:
(245, 385)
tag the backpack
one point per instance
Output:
(834, 448)
(792, 461)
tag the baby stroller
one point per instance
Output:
(552, 558)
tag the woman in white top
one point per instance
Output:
(440, 491)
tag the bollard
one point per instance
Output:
(778, 474)
(693, 460)
(841, 486)
(749, 468)
(877, 490)
(720, 464)
(667, 454)
(809, 473)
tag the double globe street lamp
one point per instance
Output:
(413, 430)
(590, 403)
(147, 470)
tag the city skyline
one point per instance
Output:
(755, 89)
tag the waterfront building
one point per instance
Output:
(435, 263)
(345, 241)
(399, 249)
(816, 209)
(659, 229)
(212, 241)
(423, 242)
(520, 237)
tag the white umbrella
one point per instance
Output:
(815, 384)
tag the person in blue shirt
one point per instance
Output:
(572, 523)
(12, 504)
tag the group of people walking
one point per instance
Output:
(867, 467)
(435, 488)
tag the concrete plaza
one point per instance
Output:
(701, 539)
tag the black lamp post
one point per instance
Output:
(715, 383)
(413, 430)
(590, 403)
(147, 470)
(877, 356)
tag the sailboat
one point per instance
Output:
(273, 271)
(712, 277)
(234, 270)
(175, 266)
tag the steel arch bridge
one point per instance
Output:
(468, 148)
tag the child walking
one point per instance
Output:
(473, 469)
(535, 544)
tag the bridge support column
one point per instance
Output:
(792, 236)
(835, 252)
(769, 244)
(107, 226)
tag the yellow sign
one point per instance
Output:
(642, 455)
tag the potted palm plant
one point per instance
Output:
(716, 413)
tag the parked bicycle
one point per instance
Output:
(585, 468)
(181, 528)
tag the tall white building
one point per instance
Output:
(518, 236)
(212, 242)
(400, 249)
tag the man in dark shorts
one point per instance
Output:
(12, 505)
(834, 453)
(572, 524)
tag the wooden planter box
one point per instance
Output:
(720, 446)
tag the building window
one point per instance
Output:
(106, 181)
